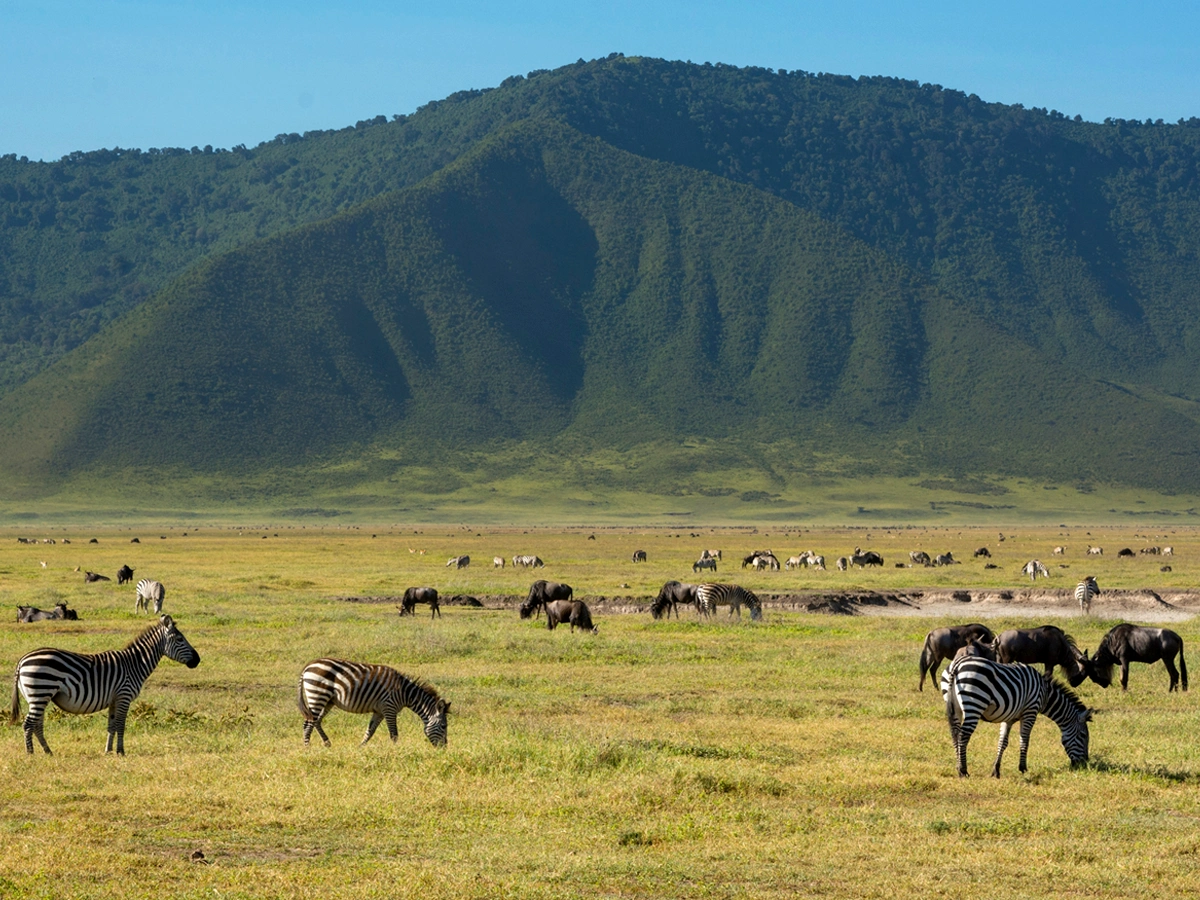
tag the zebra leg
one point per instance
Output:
(35, 721)
(376, 718)
(965, 730)
(393, 733)
(116, 725)
(1026, 730)
(316, 723)
(1005, 727)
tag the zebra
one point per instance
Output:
(528, 562)
(1034, 568)
(1085, 591)
(976, 688)
(148, 591)
(366, 688)
(710, 596)
(459, 562)
(90, 682)
(498, 562)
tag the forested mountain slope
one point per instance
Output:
(618, 251)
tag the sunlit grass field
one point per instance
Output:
(683, 759)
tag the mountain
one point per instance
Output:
(615, 253)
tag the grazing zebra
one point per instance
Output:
(528, 562)
(149, 591)
(90, 682)
(458, 562)
(1034, 568)
(976, 688)
(365, 688)
(498, 562)
(705, 562)
(1085, 591)
(710, 596)
(1095, 551)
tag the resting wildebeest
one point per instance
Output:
(639, 555)
(1048, 645)
(943, 643)
(92, 577)
(573, 612)
(124, 574)
(1129, 643)
(33, 614)
(415, 595)
(672, 595)
(542, 592)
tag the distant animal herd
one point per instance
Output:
(988, 676)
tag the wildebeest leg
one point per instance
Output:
(437, 610)
(376, 718)
(1005, 727)
(1026, 730)
(1124, 674)
(1169, 662)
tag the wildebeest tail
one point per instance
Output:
(927, 662)
(1182, 668)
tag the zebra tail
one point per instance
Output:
(16, 701)
(308, 716)
(953, 708)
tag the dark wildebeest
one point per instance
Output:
(1048, 645)
(982, 551)
(415, 595)
(869, 558)
(33, 614)
(1124, 553)
(976, 648)
(542, 592)
(574, 612)
(1129, 643)
(92, 577)
(124, 574)
(943, 643)
(672, 595)
(639, 555)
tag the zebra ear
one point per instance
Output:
(166, 620)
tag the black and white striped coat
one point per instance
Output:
(1084, 592)
(90, 682)
(149, 592)
(977, 689)
(366, 688)
(710, 596)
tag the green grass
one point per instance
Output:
(680, 759)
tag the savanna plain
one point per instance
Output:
(681, 758)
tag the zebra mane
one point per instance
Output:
(425, 686)
(1067, 692)
(141, 638)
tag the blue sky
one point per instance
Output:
(103, 73)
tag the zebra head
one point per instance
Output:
(176, 646)
(1072, 717)
(435, 723)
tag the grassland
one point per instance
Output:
(681, 759)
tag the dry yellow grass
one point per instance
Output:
(680, 759)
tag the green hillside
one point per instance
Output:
(809, 275)
(550, 289)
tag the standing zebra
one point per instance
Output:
(976, 688)
(1085, 591)
(365, 688)
(147, 592)
(710, 596)
(90, 682)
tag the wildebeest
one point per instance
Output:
(706, 562)
(33, 614)
(93, 577)
(672, 595)
(498, 562)
(1130, 643)
(573, 612)
(1048, 645)
(943, 643)
(1124, 552)
(124, 574)
(1034, 568)
(639, 556)
(415, 595)
(458, 562)
(1151, 551)
(767, 555)
(982, 551)
(842, 564)
(542, 592)
(869, 558)
(973, 647)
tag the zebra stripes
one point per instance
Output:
(976, 688)
(1084, 592)
(87, 683)
(147, 592)
(710, 596)
(365, 688)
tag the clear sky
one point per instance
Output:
(84, 74)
